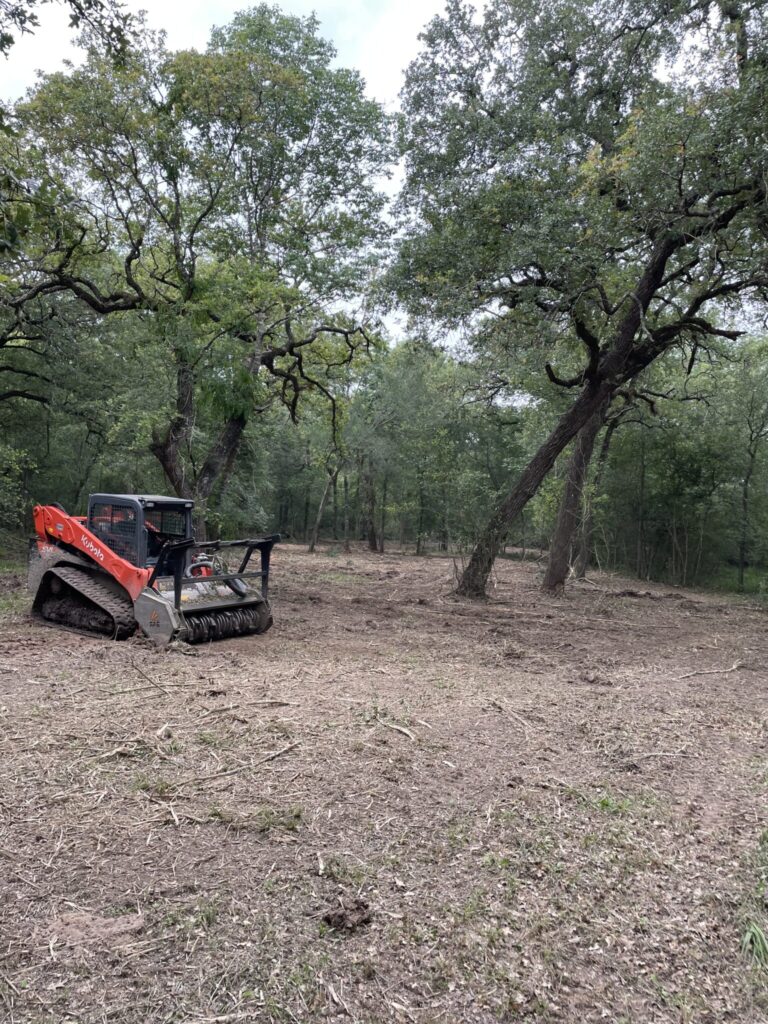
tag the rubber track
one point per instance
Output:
(119, 608)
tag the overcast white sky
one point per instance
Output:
(377, 38)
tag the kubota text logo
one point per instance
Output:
(90, 546)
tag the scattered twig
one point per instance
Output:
(216, 711)
(498, 706)
(9, 983)
(586, 579)
(526, 725)
(276, 753)
(710, 672)
(666, 753)
(173, 813)
(200, 779)
(223, 1018)
(56, 850)
(337, 998)
(149, 678)
(568, 788)
(401, 1008)
(271, 703)
(127, 749)
(398, 728)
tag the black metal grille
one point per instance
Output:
(116, 525)
(167, 521)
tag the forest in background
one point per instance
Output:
(199, 257)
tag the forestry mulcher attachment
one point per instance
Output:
(133, 562)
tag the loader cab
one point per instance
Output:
(135, 526)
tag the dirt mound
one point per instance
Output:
(80, 928)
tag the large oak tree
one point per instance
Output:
(225, 200)
(588, 175)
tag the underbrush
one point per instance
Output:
(14, 600)
(755, 580)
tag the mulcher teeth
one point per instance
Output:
(219, 625)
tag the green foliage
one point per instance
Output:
(220, 207)
(183, 236)
(107, 17)
(546, 146)
(576, 192)
(672, 505)
(14, 464)
(412, 441)
(754, 944)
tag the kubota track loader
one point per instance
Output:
(133, 562)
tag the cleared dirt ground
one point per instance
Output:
(395, 806)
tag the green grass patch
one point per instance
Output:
(614, 805)
(261, 819)
(754, 943)
(209, 739)
(15, 600)
(14, 603)
(159, 788)
(754, 935)
(339, 577)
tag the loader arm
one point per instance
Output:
(56, 528)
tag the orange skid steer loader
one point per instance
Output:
(133, 563)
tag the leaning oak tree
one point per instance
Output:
(223, 199)
(586, 173)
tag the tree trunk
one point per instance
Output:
(744, 525)
(305, 528)
(347, 548)
(523, 542)
(420, 526)
(167, 446)
(444, 526)
(640, 559)
(700, 544)
(370, 510)
(383, 516)
(358, 503)
(335, 530)
(220, 460)
(614, 368)
(475, 576)
(568, 515)
(171, 448)
(319, 517)
(584, 553)
(282, 515)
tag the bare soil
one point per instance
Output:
(394, 806)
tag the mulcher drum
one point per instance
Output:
(218, 625)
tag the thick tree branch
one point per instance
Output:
(6, 395)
